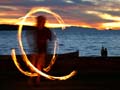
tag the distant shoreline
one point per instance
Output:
(14, 27)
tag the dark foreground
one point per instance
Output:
(94, 73)
(80, 84)
(84, 82)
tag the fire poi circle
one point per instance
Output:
(24, 56)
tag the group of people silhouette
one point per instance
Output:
(104, 52)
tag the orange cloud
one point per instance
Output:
(7, 21)
(104, 15)
(70, 19)
(114, 21)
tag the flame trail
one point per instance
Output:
(18, 66)
(38, 71)
(34, 10)
(24, 56)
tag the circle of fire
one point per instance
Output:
(24, 56)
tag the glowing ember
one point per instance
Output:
(24, 56)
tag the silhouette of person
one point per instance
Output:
(40, 36)
(104, 52)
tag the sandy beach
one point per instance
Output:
(93, 73)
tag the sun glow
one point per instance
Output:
(111, 25)
(49, 25)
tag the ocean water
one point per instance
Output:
(87, 41)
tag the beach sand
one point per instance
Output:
(86, 82)
(93, 73)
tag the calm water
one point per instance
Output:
(88, 42)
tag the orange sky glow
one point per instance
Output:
(82, 13)
(114, 25)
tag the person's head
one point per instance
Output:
(40, 21)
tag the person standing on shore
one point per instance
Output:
(104, 52)
(41, 35)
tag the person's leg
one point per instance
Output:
(33, 61)
(40, 65)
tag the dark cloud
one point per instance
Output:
(31, 3)
(86, 3)
(113, 13)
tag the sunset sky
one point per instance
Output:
(100, 14)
